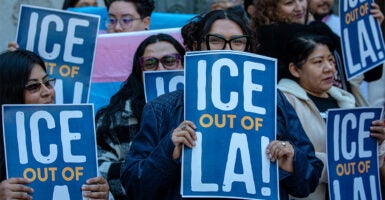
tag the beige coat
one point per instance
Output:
(313, 124)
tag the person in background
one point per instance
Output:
(249, 8)
(118, 122)
(129, 15)
(277, 21)
(78, 3)
(235, 6)
(307, 83)
(23, 80)
(152, 168)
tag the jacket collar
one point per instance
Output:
(344, 98)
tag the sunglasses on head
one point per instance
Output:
(169, 62)
(35, 86)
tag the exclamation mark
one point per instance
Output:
(373, 22)
(265, 191)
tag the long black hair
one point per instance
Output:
(132, 88)
(15, 69)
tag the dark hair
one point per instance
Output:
(266, 13)
(70, 4)
(194, 31)
(133, 87)
(299, 49)
(143, 7)
(15, 69)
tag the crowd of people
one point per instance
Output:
(139, 145)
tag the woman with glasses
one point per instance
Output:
(24, 80)
(128, 15)
(152, 168)
(118, 122)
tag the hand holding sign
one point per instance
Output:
(376, 13)
(377, 130)
(283, 152)
(184, 134)
(15, 188)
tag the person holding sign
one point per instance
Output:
(280, 21)
(24, 80)
(153, 168)
(308, 85)
(118, 122)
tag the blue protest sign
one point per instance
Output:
(66, 42)
(361, 38)
(352, 159)
(157, 83)
(231, 98)
(53, 146)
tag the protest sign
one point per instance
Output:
(231, 98)
(361, 38)
(352, 159)
(157, 83)
(66, 42)
(53, 146)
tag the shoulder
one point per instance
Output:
(167, 102)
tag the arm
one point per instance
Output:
(306, 167)
(113, 145)
(149, 168)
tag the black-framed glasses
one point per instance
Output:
(36, 85)
(218, 42)
(169, 62)
(125, 22)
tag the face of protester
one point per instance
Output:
(160, 56)
(123, 17)
(39, 88)
(316, 74)
(225, 34)
(82, 3)
(320, 8)
(293, 10)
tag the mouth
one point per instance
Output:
(328, 79)
(299, 16)
(324, 6)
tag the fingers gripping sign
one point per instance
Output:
(283, 152)
(184, 134)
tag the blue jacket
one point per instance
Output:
(150, 173)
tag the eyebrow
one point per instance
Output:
(36, 80)
(124, 15)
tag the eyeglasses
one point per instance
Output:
(218, 42)
(169, 62)
(35, 86)
(124, 22)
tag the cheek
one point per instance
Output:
(31, 98)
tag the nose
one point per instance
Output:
(328, 66)
(118, 27)
(298, 5)
(227, 46)
(160, 67)
(44, 90)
